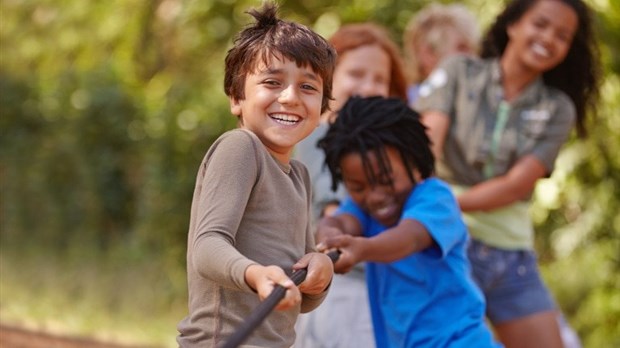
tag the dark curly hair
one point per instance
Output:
(370, 124)
(578, 75)
(270, 37)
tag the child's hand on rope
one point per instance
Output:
(320, 273)
(264, 278)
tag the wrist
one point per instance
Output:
(361, 249)
(366, 248)
(251, 274)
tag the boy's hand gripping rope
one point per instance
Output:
(266, 306)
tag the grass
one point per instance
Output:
(128, 296)
(114, 296)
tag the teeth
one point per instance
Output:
(540, 50)
(285, 118)
(383, 210)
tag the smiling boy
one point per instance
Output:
(405, 224)
(250, 216)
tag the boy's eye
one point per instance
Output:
(384, 180)
(353, 188)
(309, 87)
(271, 82)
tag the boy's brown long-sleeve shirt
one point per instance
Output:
(247, 208)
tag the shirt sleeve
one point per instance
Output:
(438, 91)
(347, 206)
(215, 258)
(434, 206)
(310, 302)
(555, 133)
(221, 203)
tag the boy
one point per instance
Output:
(250, 217)
(405, 224)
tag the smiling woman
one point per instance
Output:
(538, 42)
(497, 125)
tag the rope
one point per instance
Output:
(266, 306)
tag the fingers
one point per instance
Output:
(345, 245)
(320, 273)
(322, 247)
(333, 243)
(326, 233)
(272, 276)
(303, 262)
(291, 298)
(346, 260)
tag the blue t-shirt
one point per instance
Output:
(426, 299)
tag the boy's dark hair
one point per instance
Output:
(271, 37)
(371, 124)
(578, 75)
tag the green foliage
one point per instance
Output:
(112, 296)
(577, 212)
(107, 108)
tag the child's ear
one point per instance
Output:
(510, 31)
(417, 176)
(235, 106)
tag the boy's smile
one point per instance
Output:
(282, 104)
(385, 198)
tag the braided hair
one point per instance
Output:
(370, 124)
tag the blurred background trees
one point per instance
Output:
(107, 108)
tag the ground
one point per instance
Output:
(15, 337)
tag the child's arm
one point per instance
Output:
(330, 226)
(517, 184)
(408, 237)
(395, 243)
(437, 125)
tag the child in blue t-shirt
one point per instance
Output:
(405, 224)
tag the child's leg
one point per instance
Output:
(519, 305)
(569, 336)
(536, 330)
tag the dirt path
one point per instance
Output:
(14, 337)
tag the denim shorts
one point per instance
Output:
(510, 281)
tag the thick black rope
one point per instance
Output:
(266, 306)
